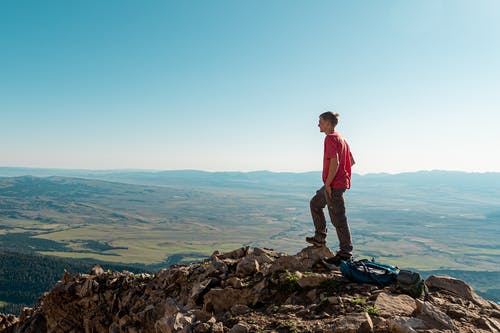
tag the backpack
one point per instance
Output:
(412, 284)
(369, 271)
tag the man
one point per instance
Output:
(337, 162)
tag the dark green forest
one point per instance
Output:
(25, 277)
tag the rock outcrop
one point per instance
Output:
(250, 290)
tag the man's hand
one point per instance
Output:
(328, 190)
(332, 171)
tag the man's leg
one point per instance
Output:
(317, 204)
(336, 209)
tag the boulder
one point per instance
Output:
(236, 254)
(353, 323)
(456, 286)
(240, 309)
(239, 328)
(247, 266)
(302, 261)
(405, 324)
(431, 311)
(394, 305)
(219, 300)
(312, 280)
(218, 328)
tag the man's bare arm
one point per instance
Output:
(332, 171)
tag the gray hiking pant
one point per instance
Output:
(336, 210)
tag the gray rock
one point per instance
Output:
(200, 315)
(400, 325)
(456, 286)
(240, 309)
(247, 266)
(302, 261)
(181, 322)
(97, 270)
(405, 324)
(218, 328)
(434, 313)
(394, 305)
(236, 254)
(312, 280)
(235, 282)
(268, 252)
(353, 323)
(239, 328)
(219, 300)
(202, 328)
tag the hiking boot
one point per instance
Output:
(315, 242)
(337, 259)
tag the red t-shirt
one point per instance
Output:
(336, 146)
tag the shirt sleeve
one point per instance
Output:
(330, 148)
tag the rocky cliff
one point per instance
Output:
(250, 290)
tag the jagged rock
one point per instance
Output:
(488, 324)
(235, 282)
(182, 322)
(25, 313)
(236, 254)
(431, 311)
(202, 328)
(302, 261)
(247, 266)
(175, 323)
(218, 328)
(7, 321)
(240, 309)
(312, 295)
(239, 328)
(287, 293)
(219, 300)
(405, 324)
(394, 305)
(458, 287)
(97, 270)
(87, 288)
(199, 290)
(354, 323)
(312, 280)
(201, 315)
(265, 251)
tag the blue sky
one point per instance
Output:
(238, 85)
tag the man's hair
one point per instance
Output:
(333, 118)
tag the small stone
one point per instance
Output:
(312, 295)
(239, 328)
(240, 309)
(247, 266)
(202, 328)
(202, 316)
(235, 282)
(218, 328)
(97, 270)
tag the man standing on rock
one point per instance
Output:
(337, 162)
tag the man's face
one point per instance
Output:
(324, 125)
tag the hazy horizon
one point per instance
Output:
(233, 171)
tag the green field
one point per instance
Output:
(426, 221)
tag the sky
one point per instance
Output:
(239, 85)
